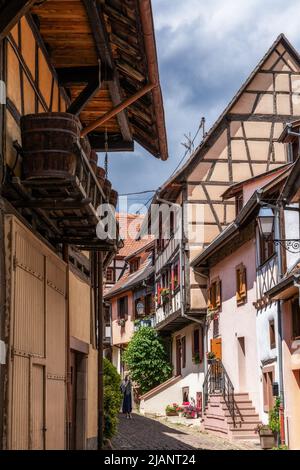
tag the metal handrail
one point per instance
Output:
(217, 381)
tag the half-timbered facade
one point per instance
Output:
(242, 144)
(76, 77)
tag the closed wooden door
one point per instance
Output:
(216, 347)
(37, 344)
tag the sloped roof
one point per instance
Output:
(205, 144)
(131, 245)
(130, 280)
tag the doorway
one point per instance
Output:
(78, 400)
(178, 355)
(242, 363)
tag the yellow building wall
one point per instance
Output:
(92, 402)
(79, 308)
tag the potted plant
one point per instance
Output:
(191, 411)
(165, 295)
(211, 357)
(266, 436)
(172, 410)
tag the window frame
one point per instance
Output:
(241, 284)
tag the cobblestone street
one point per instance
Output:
(142, 433)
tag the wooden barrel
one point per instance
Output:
(113, 198)
(93, 160)
(48, 145)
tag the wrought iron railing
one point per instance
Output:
(217, 381)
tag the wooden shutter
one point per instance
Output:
(218, 293)
(172, 278)
(209, 304)
(158, 293)
(201, 344)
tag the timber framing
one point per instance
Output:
(10, 13)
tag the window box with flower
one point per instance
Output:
(211, 357)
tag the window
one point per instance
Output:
(267, 248)
(239, 202)
(215, 295)
(185, 394)
(295, 319)
(241, 284)
(149, 307)
(134, 265)
(268, 379)
(110, 275)
(197, 346)
(272, 334)
(183, 348)
(123, 308)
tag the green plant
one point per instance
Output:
(281, 447)
(175, 408)
(274, 418)
(146, 359)
(112, 398)
(261, 428)
(211, 355)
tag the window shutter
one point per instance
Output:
(218, 294)
(238, 284)
(158, 293)
(243, 276)
(172, 278)
(201, 345)
(209, 305)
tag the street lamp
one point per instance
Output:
(265, 221)
(140, 308)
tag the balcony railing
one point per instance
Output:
(267, 276)
(165, 255)
(168, 308)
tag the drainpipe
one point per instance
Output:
(99, 276)
(279, 335)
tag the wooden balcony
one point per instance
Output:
(267, 278)
(62, 205)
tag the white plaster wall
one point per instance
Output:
(239, 322)
(291, 219)
(192, 377)
(266, 355)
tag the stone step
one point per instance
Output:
(246, 419)
(216, 422)
(244, 426)
(250, 412)
(245, 437)
(247, 405)
(216, 430)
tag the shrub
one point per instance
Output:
(112, 398)
(146, 359)
(274, 419)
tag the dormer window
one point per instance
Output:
(239, 202)
(134, 265)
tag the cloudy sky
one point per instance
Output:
(205, 51)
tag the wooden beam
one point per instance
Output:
(69, 76)
(97, 22)
(85, 96)
(51, 204)
(115, 143)
(10, 14)
(117, 109)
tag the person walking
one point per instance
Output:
(126, 388)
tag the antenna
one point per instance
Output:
(189, 144)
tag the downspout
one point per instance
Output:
(279, 334)
(99, 276)
(68, 350)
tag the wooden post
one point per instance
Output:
(99, 267)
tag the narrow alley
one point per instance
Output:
(141, 433)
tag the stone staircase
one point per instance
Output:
(217, 418)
